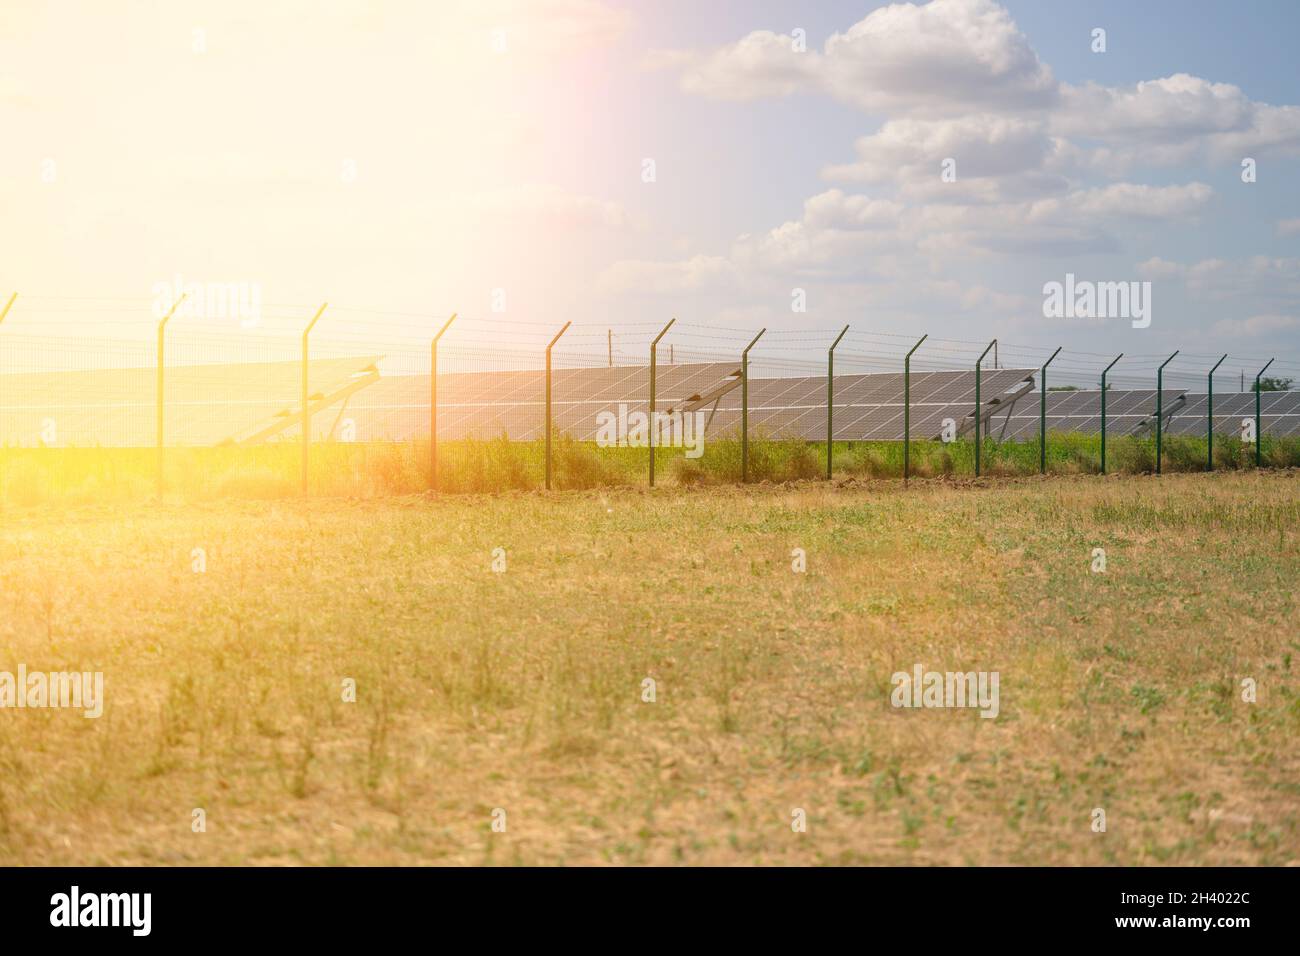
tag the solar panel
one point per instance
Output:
(205, 404)
(1080, 411)
(251, 402)
(490, 404)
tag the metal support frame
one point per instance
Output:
(651, 420)
(162, 327)
(1042, 416)
(830, 398)
(1103, 410)
(306, 415)
(907, 409)
(287, 418)
(548, 401)
(744, 407)
(433, 404)
(1209, 415)
(1160, 431)
(1259, 422)
(978, 409)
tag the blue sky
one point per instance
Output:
(505, 182)
(767, 154)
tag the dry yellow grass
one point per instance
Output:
(522, 690)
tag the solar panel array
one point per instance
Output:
(205, 404)
(490, 404)
(212, 404)
(1127, 410)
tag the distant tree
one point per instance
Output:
(1270, 383)
(1066, 388)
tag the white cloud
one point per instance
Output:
(834, 209)
(941, 58)
(1041, 167)
(981, 145)
(1162, 110)
(1157, 268)
(1271, 284)
(1136, 201)
(845, 235)
(761, 64)
(640, 276)
(994, 158)
(1171, 121)
(1256, 325)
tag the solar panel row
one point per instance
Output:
(1127, 410)
(205, 404)
(485, 405)
(259, 402)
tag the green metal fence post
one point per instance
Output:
(1259, 423)
(306, 414)
(433, 404)
(978, 409)
(162, 326)
(1042, 417)
(907, 410)
(548, 401)
(1103, 410)
(744, 408)
(653, 346)
(1209, 416)
(1160, 379)
(830, 398)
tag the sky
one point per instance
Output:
(735, 165)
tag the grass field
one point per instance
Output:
(522, 690)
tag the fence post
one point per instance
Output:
(1160, 379)
(3, 313)
(651, 423)
(1042, 414)
(907, 410)
(830, 397)
(744, 408)
(306, 416)
(978, 407)
(1259, 424)
(548, 401)
(433, 404)
(1209, 416)
(1103, 410)
(161, 358)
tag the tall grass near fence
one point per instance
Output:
(31, 476)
